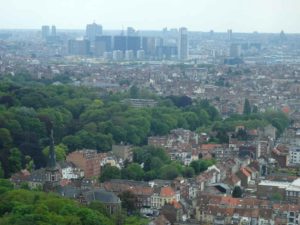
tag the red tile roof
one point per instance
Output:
(167, 192)
(245, 172)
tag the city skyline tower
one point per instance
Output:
(45, 31)
(92, 31)
(183, 44)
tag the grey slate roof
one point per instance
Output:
(102, 196)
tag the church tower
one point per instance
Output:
(52, 173)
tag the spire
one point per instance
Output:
(52, 156)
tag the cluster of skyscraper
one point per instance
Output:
(48, 33)
(128, 47)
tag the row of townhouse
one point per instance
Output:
(217, 210)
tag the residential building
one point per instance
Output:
(118, 55)
(141, 190)
(139, 103)
(162, 196)
(70, 171)
(87, 160)
(288, 191)
(294, 155)
(122, 151)
(217, 210)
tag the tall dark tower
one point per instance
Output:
(52, 173)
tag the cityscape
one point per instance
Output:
(169, 126)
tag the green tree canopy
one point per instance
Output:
(133, 172)
(237, 192)
(60, 150)
(247, 107)
(110, 172)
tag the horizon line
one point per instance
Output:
(156, 30)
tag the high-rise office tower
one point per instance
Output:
(183, 44)
(158, 43)
(133, 43)
(148, 45)
(92, 31)
(235, 50)
(131, 31)
(102, 44)
(53, 30)
(229, 35)
(120, 43)
(45, 31)
(211, 34)
(282, 36)
(79, 47)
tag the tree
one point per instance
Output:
(103, 142)
(189, 172)
(169, 172)
(5, 185)
(129, 201)
(134, 220)
(255, 109)
(1, 171)
(201, 165)
(237, 192)
(242, 135)
(159, 127)
(247, 107)
(60, 151)
(29, 164)
(72, 142)
(87, 139)
(133, 172)
(5, 138)
(77, 106)
(180, 101)
(15, 160)
(150, 175)
(99, 207)
(156, 163)
(276, 197)
(138, 155)
(134, 92)
(24, 207)
(110, 172)
(191, 119)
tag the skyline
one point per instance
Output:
(239, 15)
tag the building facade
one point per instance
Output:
(183, 44)
(87, 160)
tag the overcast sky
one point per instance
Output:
(198, 15)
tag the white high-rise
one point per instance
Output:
(294, 155)
(183, 44)
(92, 31)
